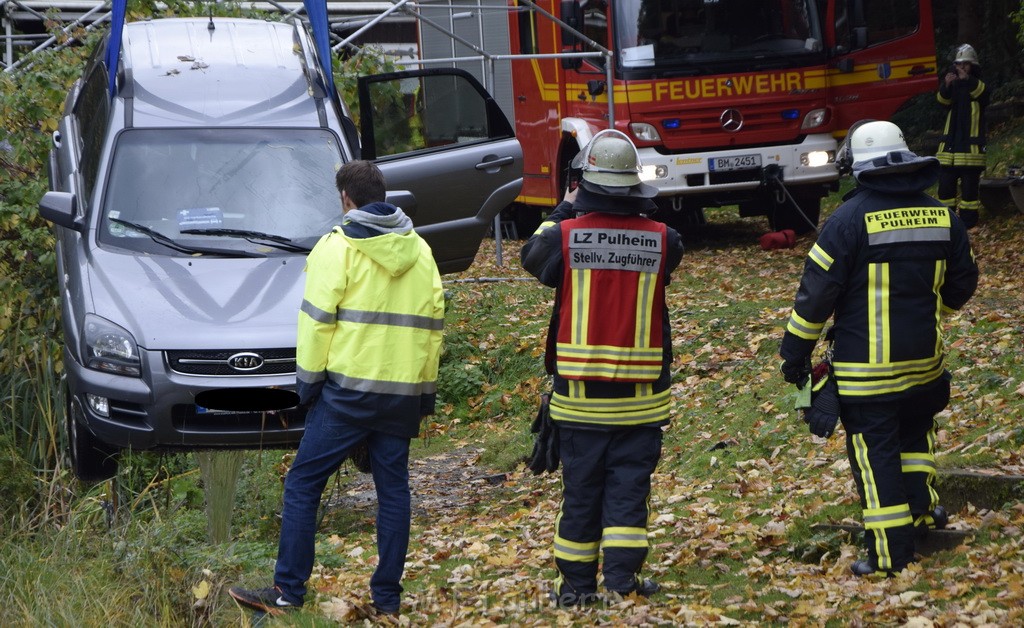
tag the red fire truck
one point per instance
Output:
(730, 102)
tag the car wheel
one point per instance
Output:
(91, 459)
(785, 216)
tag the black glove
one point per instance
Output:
(797, 372)
(545, 440)
(823, 415)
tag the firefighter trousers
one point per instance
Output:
(606, 484)
(891, 446)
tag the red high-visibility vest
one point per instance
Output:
(613, 298)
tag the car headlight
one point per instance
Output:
(110, 348)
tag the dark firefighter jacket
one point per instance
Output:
(581, 396)
(887, 264)
(963, 137)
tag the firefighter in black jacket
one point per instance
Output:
(887, 264)
(610, 351)
(962, 147)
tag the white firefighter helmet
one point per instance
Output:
(873, 138)
(611, 163)
(965, 52)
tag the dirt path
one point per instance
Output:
(451, 480)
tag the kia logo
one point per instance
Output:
(245, 361)
(732, 120)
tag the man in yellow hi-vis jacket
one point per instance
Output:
(887, 264)
(369, 341)
(610, 351)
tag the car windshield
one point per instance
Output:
(273, 182)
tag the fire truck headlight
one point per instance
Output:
(815, 158)
(645, 132)
(649, 173)
(814, 119)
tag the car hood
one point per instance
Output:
(199, 302)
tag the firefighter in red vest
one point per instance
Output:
(610, 351)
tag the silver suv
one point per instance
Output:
(186, 193)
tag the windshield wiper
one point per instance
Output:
(276, 241)
(170, 243)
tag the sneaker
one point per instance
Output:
(270, 600)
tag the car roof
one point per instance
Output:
(179, 72)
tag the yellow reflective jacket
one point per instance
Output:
(369, 332)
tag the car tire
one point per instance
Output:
(91, 459)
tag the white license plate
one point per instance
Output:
(736, 162)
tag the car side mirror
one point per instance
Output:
(60, 208)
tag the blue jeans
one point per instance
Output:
(324, 446)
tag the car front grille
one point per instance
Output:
(234, 363)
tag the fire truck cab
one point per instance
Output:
(730, 102)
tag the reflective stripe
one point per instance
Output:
(382, 386)
(390, 318)
(616, 404)
(309, 377)
(576, 552)
(624, 537)
(888, 517)
(652, 415)
(931, 234)
(860, 451)
(878, 313)
(938, 279)
(820, 257)
(886, 369)
(316, 313)
(645, 311)
(804, 328)
(608, 352)
(853, 388)
(580, 311)
(544, 225)
(592, 370)
(918, 462)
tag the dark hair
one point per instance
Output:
(362, 181)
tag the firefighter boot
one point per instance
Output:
(865, 567)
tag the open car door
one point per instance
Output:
(449, 155)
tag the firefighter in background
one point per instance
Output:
(962, 147)
(887, 264)
(610, 356)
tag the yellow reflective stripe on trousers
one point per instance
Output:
(888, 517)
(576, 552)
(860, 452)
(624, 537)
(918, 462)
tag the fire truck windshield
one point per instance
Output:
(708, 36)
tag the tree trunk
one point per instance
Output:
(968, 24)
